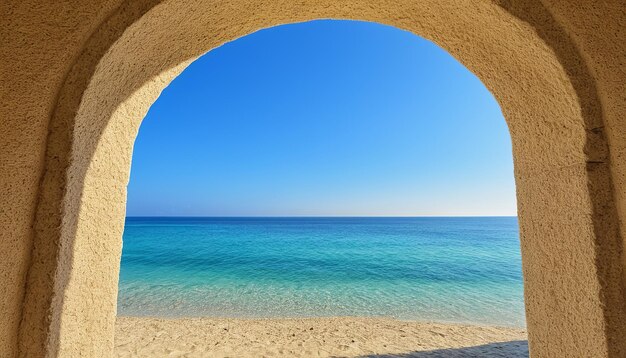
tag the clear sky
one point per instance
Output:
(324, 118)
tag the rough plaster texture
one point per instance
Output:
(39, 43)
(78, 77)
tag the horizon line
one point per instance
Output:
(321, 216)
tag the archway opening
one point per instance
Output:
(319, 121)
(527, 57)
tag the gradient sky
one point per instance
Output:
(324, 118)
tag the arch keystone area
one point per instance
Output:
(77, 78)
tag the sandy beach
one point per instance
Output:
(312, 337)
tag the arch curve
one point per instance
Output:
(568, 221)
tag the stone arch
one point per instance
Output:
(571, 245)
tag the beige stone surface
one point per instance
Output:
(312, 337)
(76, 78)
(39, 42)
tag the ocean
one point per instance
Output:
(444, 269)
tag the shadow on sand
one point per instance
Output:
(512, 349)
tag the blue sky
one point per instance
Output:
(324, 118)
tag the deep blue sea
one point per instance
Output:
(464, 270)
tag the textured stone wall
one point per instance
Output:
(78, 77)
(39, 43)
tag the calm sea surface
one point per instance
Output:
(440, 269)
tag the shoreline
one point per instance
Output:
(312, 337)
(287, 318)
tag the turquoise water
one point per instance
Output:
(436, 269)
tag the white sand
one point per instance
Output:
(312, 337)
